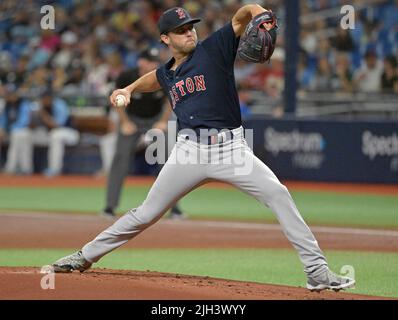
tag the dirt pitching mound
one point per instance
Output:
(26, 283)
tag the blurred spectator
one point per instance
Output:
(50, 125)
(253, 77)
(59, 79)
(342, 41)
(389, 77)
(308, 40)
(75, 83)
(368, 77)
(64, 56)
(97, 77)
(50, 41)
(342, 79)
(323, 77)
(18, 76)
(5, 66)
(36, 82)
(41, 50)
(115, 63)
(244, 70)
(324, 49)
(265, 77)
(274, 81)
(14, 119)
(305, 73)
(244, 100)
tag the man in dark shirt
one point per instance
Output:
(146, 111)
(389, 78)
(199, 80)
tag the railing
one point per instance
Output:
(331, 13)
(334, 12)
(321, 104)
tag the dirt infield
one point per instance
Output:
(53, 230)
(36, 230)
(25, 283)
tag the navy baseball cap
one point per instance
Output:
(174, 18)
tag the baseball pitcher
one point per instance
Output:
(200, 84)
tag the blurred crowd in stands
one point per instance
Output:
(95, 40)
(361, 59)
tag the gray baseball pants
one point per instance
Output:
(189, 164)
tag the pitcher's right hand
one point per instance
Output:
(122, 92)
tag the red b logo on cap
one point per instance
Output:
(181, 13)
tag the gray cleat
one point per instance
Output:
(70, 263)
(329, 280)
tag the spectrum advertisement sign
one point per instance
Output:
(321, 150)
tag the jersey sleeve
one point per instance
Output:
(160, 77)
(222, 46)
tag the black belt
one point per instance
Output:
(221, 137)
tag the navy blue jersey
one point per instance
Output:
(202, 89)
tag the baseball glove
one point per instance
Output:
(258, 42)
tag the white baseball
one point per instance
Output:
(120, 101)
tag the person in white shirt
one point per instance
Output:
(368, 77)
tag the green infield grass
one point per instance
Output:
(323, 208)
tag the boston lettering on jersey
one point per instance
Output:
(187, 86)
(202, 89)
